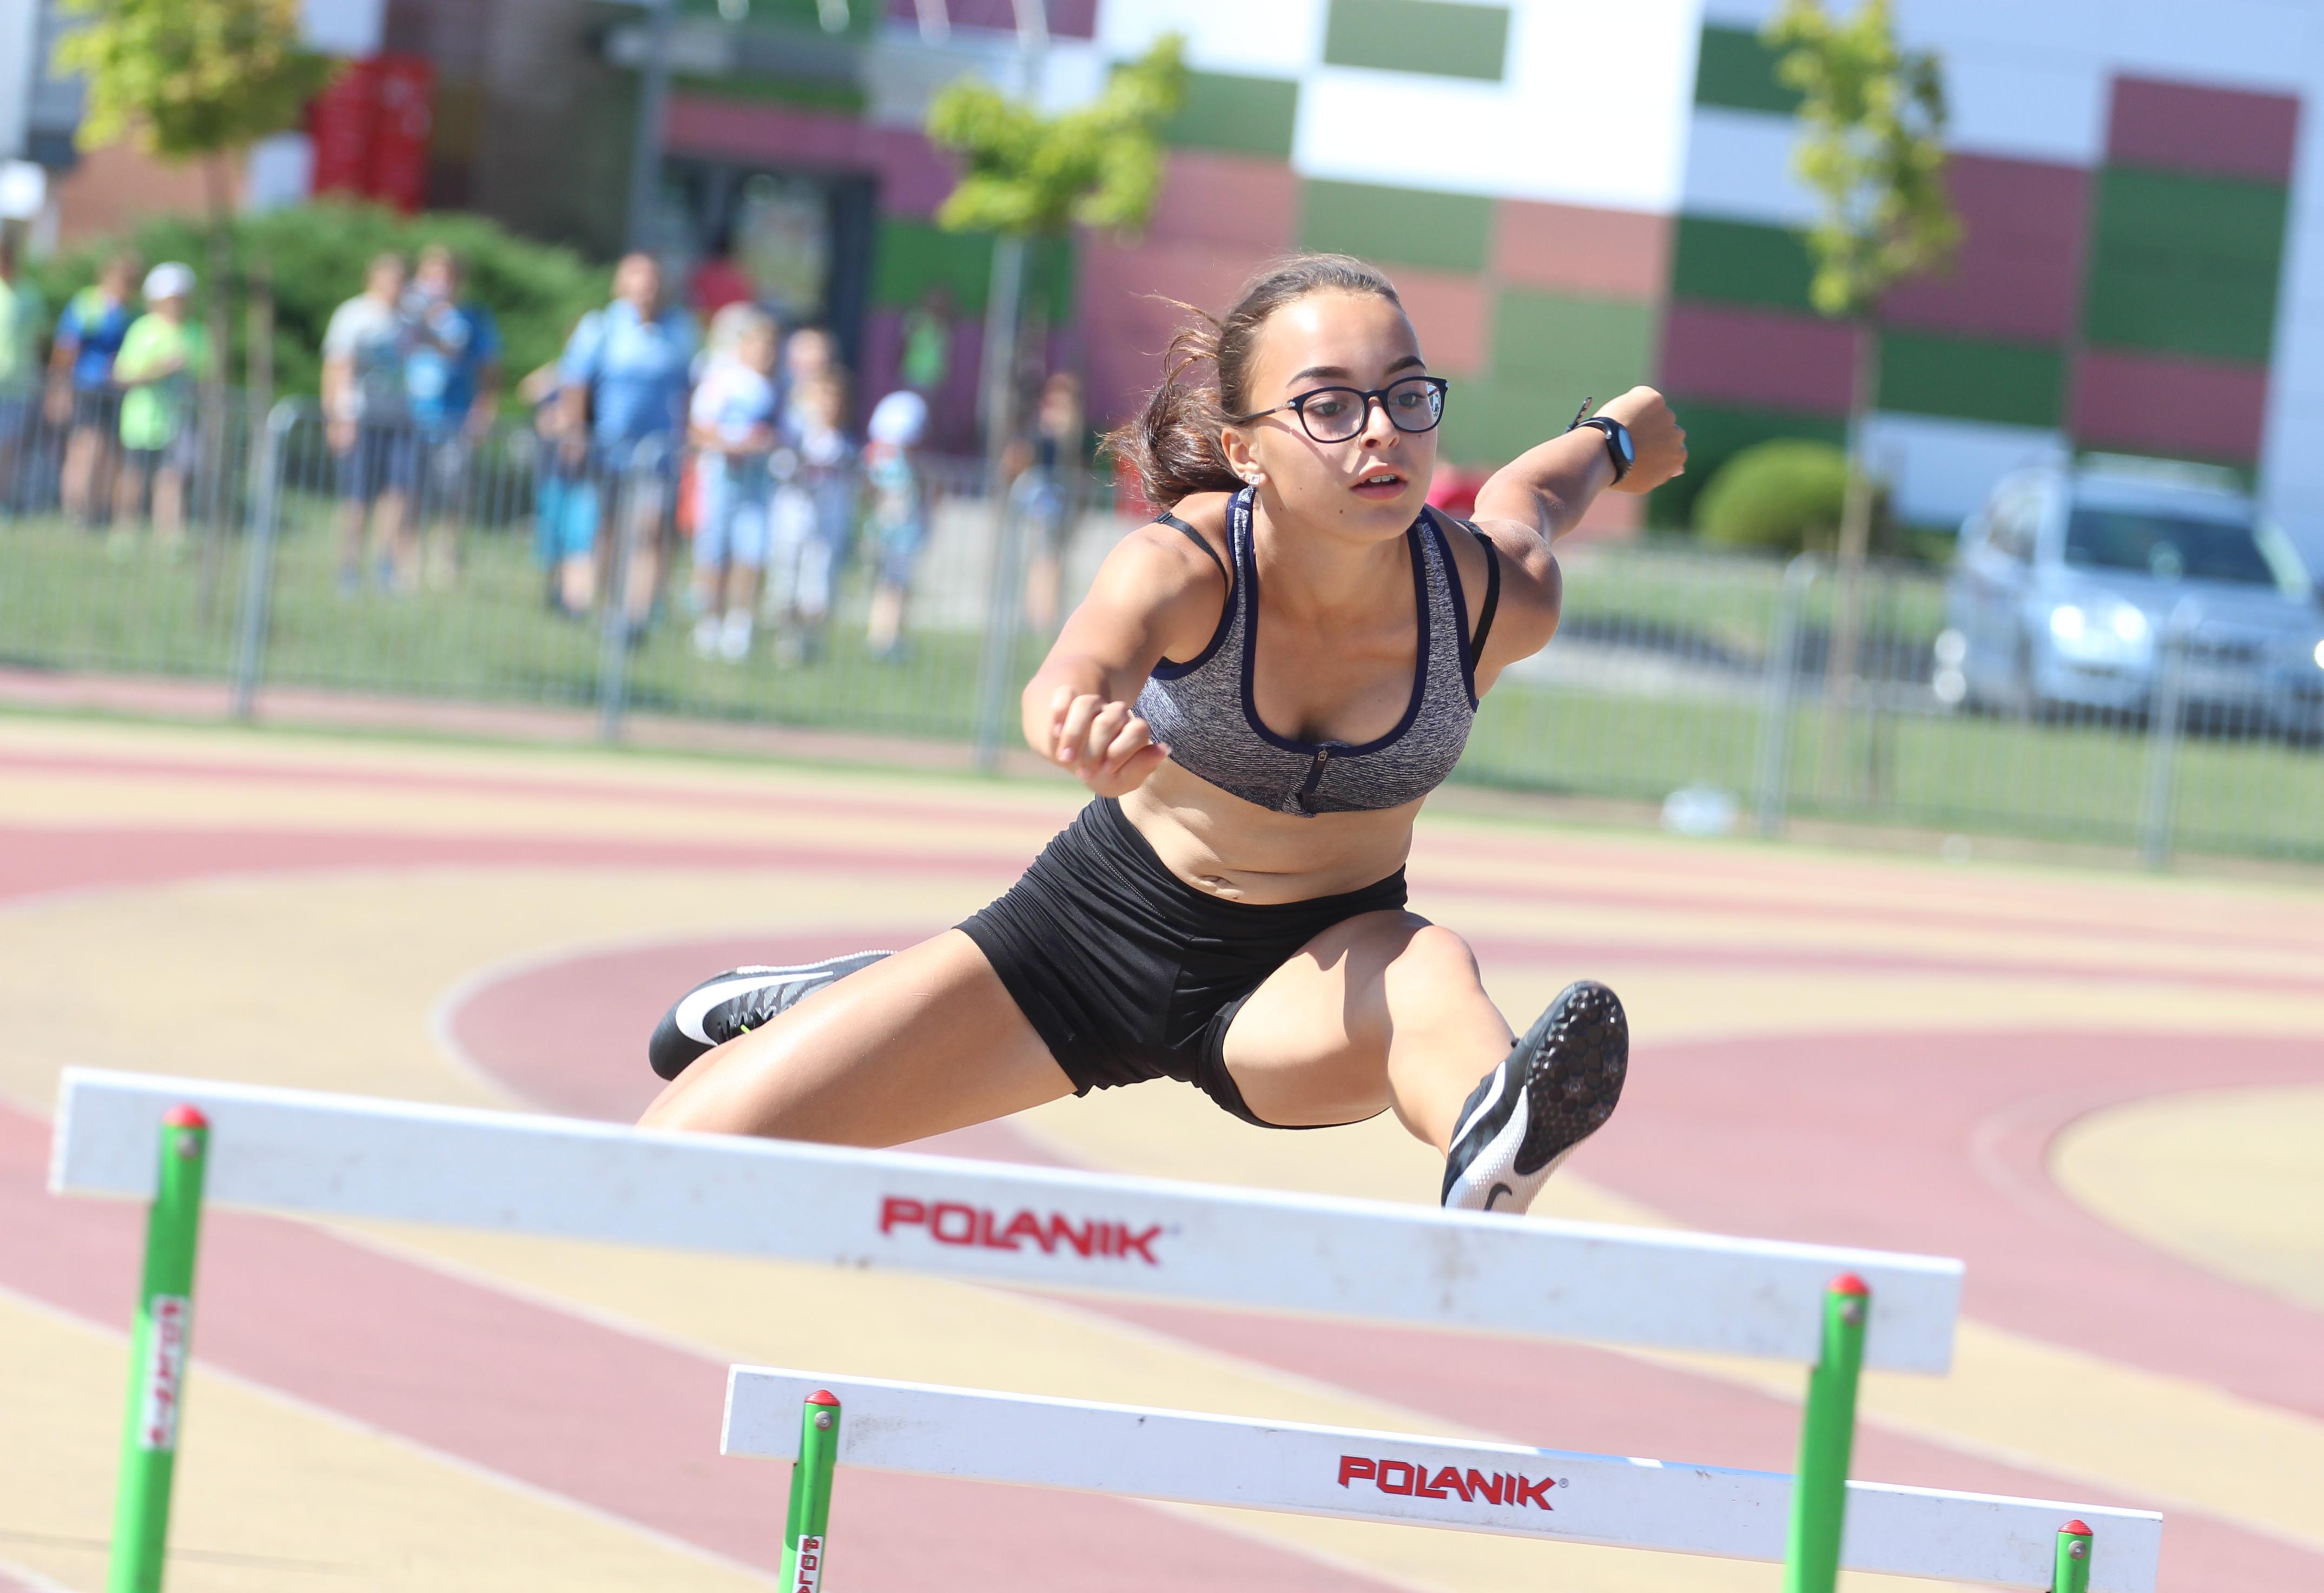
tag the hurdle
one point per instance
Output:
(1830, 1309)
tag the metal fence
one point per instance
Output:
(498, 570)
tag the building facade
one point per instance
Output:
(1575, 197)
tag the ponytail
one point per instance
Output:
(1174, 443)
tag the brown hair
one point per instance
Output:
(1173, 445)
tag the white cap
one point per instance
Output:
(900, 419)
(169, 280)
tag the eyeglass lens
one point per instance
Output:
(1335, 415)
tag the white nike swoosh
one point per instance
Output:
(1501, 1077)
(697, 1004)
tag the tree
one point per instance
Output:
(1872, 148)
(1027, 176)
(195, 80)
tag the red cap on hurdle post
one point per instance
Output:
(823, 1396)
(1849, 1284)
(185, 1117)
(2075, 1529)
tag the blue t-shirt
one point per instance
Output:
(636, 370)
(450, 346)
(95, 327)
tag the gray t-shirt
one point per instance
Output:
(370, 336)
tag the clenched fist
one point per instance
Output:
(1654, 433)
(1104, 743)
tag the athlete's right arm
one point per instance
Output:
(1155, 597)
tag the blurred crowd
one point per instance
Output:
(719, 473)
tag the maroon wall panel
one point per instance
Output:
(1237, 199)
(2158, 404)
(914, 179)
(2019, 271)
(2214, 132)
(1757, 356)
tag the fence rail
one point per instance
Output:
(496, 568)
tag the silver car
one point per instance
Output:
(2076, 586)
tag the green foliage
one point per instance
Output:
(1783, 494)
(1873, 150)
(317, 253)
(1099, 164)
(187, 78)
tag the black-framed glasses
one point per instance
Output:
(1337, 415)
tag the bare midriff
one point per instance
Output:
(1241, 852)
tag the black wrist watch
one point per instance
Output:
(1618, 446)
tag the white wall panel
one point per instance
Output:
(1738, 166)
(2029, 105)
(1592, 111)
(1255, 38)
(1940, 469)
(342, 27)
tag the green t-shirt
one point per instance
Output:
(20, 328)
(153, 412)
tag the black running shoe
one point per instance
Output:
(1554, 1090)
(738, 1001)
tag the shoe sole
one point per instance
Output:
(1570, 1067)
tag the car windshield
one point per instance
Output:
(2169, 547)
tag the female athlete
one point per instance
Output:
(1260, 690)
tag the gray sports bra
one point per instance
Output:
(1203, 711)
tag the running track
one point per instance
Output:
(1846, 1050)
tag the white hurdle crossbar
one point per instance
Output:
(338, 1155)
(1387, 1477)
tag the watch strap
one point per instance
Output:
(1616, 435)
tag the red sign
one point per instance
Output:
(163, 1377)
(371, 128)
(1402, 1477)
(948, 1222)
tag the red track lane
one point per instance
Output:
(616, 1421)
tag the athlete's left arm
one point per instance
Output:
(1540, 496)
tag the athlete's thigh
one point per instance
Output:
(1310, 1045)
(919, 1043)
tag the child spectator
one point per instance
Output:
(366, 419)
(1048, 495)
(734, 427)
(895, 518)
(563, 498)
(452, 380)
(162, 355)
(81, 393)
(811, 517)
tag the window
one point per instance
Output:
(2167, 546)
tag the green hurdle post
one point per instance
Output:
(1827, 1435)
(158, 1346)
(2070, 1571)
(806, 1548)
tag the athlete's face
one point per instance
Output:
(1373, 481)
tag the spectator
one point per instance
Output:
(896, 519)
(811, 519)
(368, 424)
(452, 382)
(22, 312)
(809, 356)
(162, 355)
(734, 426)
(717, 281)
(625, 375)
(81, 393)
(926, 358)
(564, 500)
(1048, 495)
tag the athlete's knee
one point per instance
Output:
(1431, 957)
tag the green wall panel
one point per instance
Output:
(1734, 68)
(1432, 36)
(1970, 379)
(1740, 263)
(1492, 421)
(2182, 264)
(909, 257)
(1403, 226)
(1596, 347)
(1245, 115)
(1716, 433)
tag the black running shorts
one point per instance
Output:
(1129, 973)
